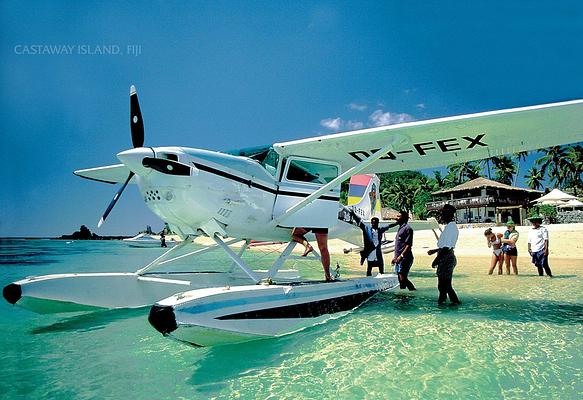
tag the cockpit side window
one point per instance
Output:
(311, 172)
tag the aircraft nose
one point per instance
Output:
(133, 159)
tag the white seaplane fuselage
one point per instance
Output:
(234, 195)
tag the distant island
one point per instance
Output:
(85, 234)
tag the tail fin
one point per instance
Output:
(364, 196)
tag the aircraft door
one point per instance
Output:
(301, 177)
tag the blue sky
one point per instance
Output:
(222, 75)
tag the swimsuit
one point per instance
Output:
(497, 251)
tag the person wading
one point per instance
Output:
(403, 259)
(445, 260)
(372, 237)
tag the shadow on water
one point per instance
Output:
(481, 308)
(90, 321)
(431, 274)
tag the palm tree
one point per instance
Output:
(555, 164)
(520, 156)
(575, 165)
(423, 185)
(485, 163)
(400, 195)
(505, 169)
(439, 179)
(551, 156)
(534, 178)
(473, 171)
(460, 172)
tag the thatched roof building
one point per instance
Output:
(484, 200)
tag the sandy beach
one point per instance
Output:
(566, 250)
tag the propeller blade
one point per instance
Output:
(114, 200)
(136, 122)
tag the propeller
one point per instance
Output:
(137, 130)
(136, 122)
(114, 200)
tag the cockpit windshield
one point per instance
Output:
(268, 160)
(264, 155)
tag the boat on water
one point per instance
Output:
(217, 316)
(145, 239)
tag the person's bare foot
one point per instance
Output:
(308, 250)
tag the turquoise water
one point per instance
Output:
(513, 337)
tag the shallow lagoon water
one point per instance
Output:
(513, 337)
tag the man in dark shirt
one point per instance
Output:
(403, 259)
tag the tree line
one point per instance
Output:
(560, 166)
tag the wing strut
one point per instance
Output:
(160, 259)
(396, 141)
(236, 258)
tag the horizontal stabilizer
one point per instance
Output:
(109, 174)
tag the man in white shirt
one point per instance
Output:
(538, 245)
(445, 260)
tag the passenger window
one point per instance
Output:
(306, 171)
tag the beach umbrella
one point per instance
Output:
(555, 197)
(574, 203)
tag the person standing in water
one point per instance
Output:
(403, 259)
(298, 235)
(495, 243)
(538, 245)
(372, 237)
(445, 261)
(509, 247)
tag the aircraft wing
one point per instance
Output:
(444, 141)
(109, 174)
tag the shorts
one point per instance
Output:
(404, 266)
(317, 230)
(539, 259)
(510, 251)
(314, 230)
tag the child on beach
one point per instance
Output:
(495, 243)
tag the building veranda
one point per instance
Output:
(482, 200)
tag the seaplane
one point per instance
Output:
(262, 193)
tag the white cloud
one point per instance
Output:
(353, 125)
(380, 118)
(420, 106)
(358, 107)
(336, 124)
(377, 118)
(332, 123)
